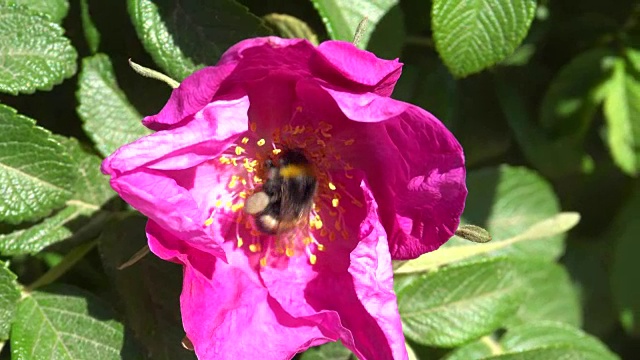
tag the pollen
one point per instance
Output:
(276, 151)
(233, 182)
(335, 202)
(261, 142)
(239, 150)
(208, 222)
(332, 186)
(245, 140)
(313, 259)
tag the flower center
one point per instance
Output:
(284, 184)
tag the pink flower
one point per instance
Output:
(388, 180)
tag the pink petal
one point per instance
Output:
(352, 279)
(350, 62)
(366, 107)
(235, 53)
(194, 93)
(210, 132)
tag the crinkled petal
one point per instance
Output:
(352, 278)
(194, 93)
(350, 61)
(235, 53)
(413, 164)
(227, 312)
(210, 132)
(366, 107)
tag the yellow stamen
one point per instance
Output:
(261, 142)
(240, 242)
(263, 261)
(320, 247)
(289, 252)
(239, 150)
(208, 222)
(332, 186)
(253, 248)
(276, 151)
(245, 140)
(335, 202)
(313, 259)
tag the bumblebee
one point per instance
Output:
(286, 196)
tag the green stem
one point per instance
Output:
(153, 74)
(63, 266)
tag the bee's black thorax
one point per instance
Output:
(290, 186)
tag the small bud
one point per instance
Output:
(187, 344)
(473, 233)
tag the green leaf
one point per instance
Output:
(291, 27)
(91, 33)
(330, 351)
(456, 304)
(9, 296)
(388, 38)
(551, 295)
(109, 119)
(624, 284)
(187, 35)
(149, 289)
(462, 250)
(574, 94)
(56, 10)
(34, 55)
(91, 191)
(341, 17)
(622, 111)
(36, 175)
(536, 341)
(66, 323)
(473, 35)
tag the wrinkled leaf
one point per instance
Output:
(473, 35)
(330, 351)
(456, 304)
(9, 296)
(622, 111)
(109, 119)
(342, 17)
(66, 323)
(184, 36)
(91, 191)
(552, 226)
(34, 54)
(56, 10)
(36, 174)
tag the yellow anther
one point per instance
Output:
(242, 195)
(224, 160)
(313, 259)
(253, 248)
(237, 206)
(257, 179)
(349, 142)
(318, 224)
(218, 203)
(228, 204)
(240, 242)
(245, 140)
(233, 182)
(261, 142)
(335, 202)
(208, 222)
(253, 127)
(234, 162)
(289, 252)
(276, 151)
(239, 150)
(263, 261)
(332, 186)
(320, 247)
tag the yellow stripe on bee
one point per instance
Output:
(291, 171)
